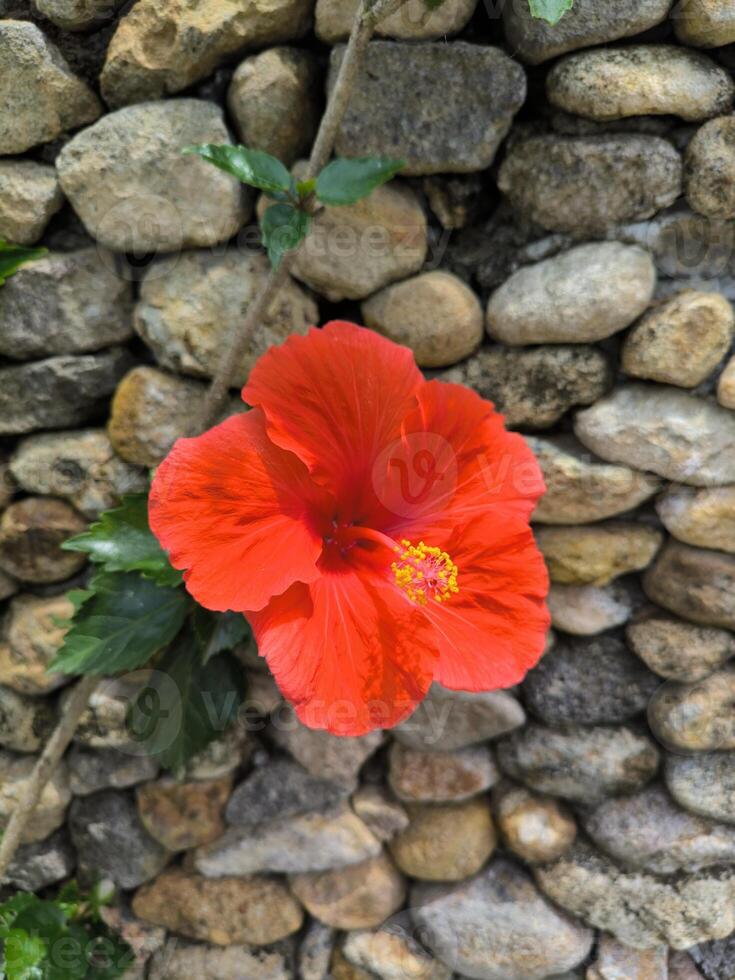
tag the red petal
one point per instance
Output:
(238, 514)
(336, 398)
(494, 630)
(349, 650)
(472, 466)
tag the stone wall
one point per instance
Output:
(561, 241)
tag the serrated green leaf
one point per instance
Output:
(217, 632)
(187, 705)
(345, 181)
(283, 227)
(433, 4)
(551, 11)
(253, 167)
(122, 541)
(121, 625)
(12, 257)
(23, 956)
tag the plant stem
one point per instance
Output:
(363, 27)
(370, 13)
(44, 769)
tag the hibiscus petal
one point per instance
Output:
(336, 398)
(349, 650)
(238, 514)
(494, 629)
(459, 455)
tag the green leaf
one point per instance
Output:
(253, 167)
(344, 181)
(187, 705)
(551, 11)
(12, 257)
(23, 955)
(217, 632)
(305, 187)
(125, 620)
(122, 541)
(283, 227)
(433, 4)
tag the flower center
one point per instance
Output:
(425, 572)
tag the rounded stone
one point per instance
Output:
(584, 765)
(445, 842)
(534, 388)
(536, 828)
(726, 385)
(64, 303)
(440, 777)
(31, 534)
(678, 650)
(585, 24)
(703, 783)
(183, 815)
(77, 15)
(360, 896)
(585, 294)
(192, 303)
(81, 466)
(34, 635)
(448, 720)
(640, 80)
(662, 429)
(91, 770)
(29, 196)
(273, 100)
(50, 813)
(434, 313)
(616, 961)
(144, 204)
(700, 516)
(580, 488)
(394, 953)
(41, 98)
(25, 722)
(709, 169)
(498, 926)
(588, 682)
(585, 610)
(224, 911)
(413, 21)
(595, 554)
(694, 583)
(584, 185)
(695, 717)
(704, 23)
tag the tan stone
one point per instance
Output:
(704, 23)
(433, 777)
(223, 911)
(34, 635)
(414, 21)
(695, 583)
(274, 102)
(29, 196)
(640, 80)
(151, 410)
(49, 815)
(382, 814)
(191, 304)
(584, 610)
(681, 341)
(678, 650)
(354, 250)
(696, 717)
(40, 96)
(159, 49)
(596, 554)
(183, 815)
(342, 969)
(8, 587)
(726, 385)
(359, 896)
(77, 15)
(392, 954)
(536, 828)
(700, 516)
(616, 961)
(709, 169)
(445, 842)
(434, 313)
(31, 534)
(580, 488)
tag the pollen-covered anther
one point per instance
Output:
(425, 573)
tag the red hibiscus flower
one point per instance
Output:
(371, 526)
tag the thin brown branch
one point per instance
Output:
(44, 769)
